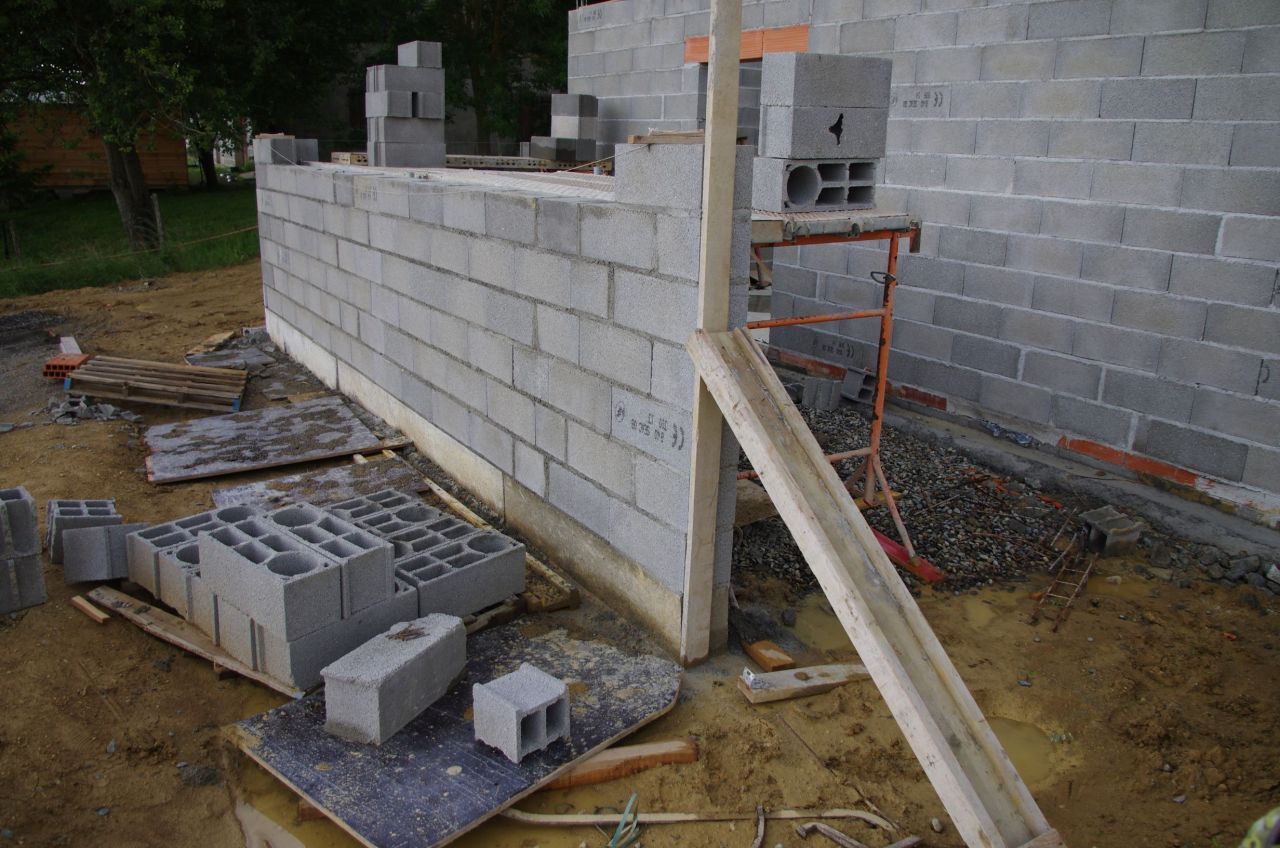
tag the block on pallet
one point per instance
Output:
(374, 691)
(388, 104)
(466, 576)
(97, 553)
(562, 149)
(299, 662)
(19, 528)
(63, 514)
(824, 79)
(236, 633)
(403, 78)
(357, 508)
(142, 546)
(575, 105)
(521, 712)
(177, 569)
(781, 185)
(419, 54)
(365, 563)
(823, 132)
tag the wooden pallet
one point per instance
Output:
(215, 389)
(973, 776)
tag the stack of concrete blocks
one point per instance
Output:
(823, 125)
(63, 515)
(404, 108)
(573, 130)
(21, 575)
(530, 341)
(521, 712)
(296, 588)
(374, 691)
(456, 568)
(97, 553)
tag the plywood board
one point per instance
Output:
(973, 776)
(432, 781)
(261, 438)
(325, 486)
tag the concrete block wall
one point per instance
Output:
(531, 343)
(1100, 186)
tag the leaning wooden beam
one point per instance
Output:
(622, 760)
(981, 790)
(719, 158)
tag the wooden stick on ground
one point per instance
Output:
(85, 606)
(622, 760)
(797, 682)
(594, 820)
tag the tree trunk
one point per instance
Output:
(129, 189)
(207, 167)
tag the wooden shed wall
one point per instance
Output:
(57, 136)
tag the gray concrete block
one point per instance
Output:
(429, 104)
(1193, 449)
(1001, 285)
(915, 32)
(1028, 403)
(142, 546)
(1126, 266)
(1262, 468)
(419, 54)
(407, 154)
(491, 442)
(1142, 16)
(1248, 237)
(557, 332)
(63, 515)
(942, 136)
(1031, 60)
(783, 185)
(1157, 312)
(1091, 140)
(915, 170)
(21, 583)
(522, 712)
(1113, 345)
(1052, 179)
(177, 569)
(981, 319)
(236, 633)
(578, 105)
(1190, 361)
(623, 356)
(97, 553)
(1148, 98)
(1256, 145)
(995, 24)
(1084, 221)
(403, 78)
(1241, 13)
(982, 247)
(948, 64)
(942, 207)
(1099, 57)
(1232, 190)
(1069, 18)
(1262, 51)
(274, 150)
(465, 576)
(621, 235)
(1062, 374)
(1070, 297)
(558, 228)
(815, 132)
(374, 691)
(1149, 395)
(1091, 420)
(1190, 143)
(573, 126)
(1185, 232)
(816, 79)
(1195, 54)
(565, 387)
(19, 527)
(562, 149)
(1233, 415)
(983, 354)
(388, 104)
(1242, 326)
(1012, 138)
(1061, 99)
(1036, 329)
(987, 174)
(1223, 280)
(511, 216)
(404, 131)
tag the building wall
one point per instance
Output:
(530, 343)
(1099, 182)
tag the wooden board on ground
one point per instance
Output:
(623, 760)
(191, 387)
(768, 655)
(973, 776)
(797, 682)
(250, 441)
(181, 633)
(325, 486)
(432, 781)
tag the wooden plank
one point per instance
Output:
(146, 396)
(622, 760)
(698, 612)
(668, 137)
(82, 603)
(978, 785)
(768, 655)
(797, 682)
(432, 781)
(250, 441)
(153, 384)
(182, 634)
(147, 364)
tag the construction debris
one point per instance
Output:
(1111, 531)
(73, 410)
(142, 381)
(624, 760)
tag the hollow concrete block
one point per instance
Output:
(19, 529)
(63, 515)
(420, 54)
(374, 691)
(823, 132)
(97, 553)
(521, 712)
(467, 575)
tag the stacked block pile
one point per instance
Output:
(287, 592)
(573, 130)
(404, 108)
(823, 126)
(21, 577)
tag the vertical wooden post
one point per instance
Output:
(714, 261)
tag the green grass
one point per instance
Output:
(73, 243)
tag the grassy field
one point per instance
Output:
(80, 241)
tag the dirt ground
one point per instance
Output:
(1149, 718)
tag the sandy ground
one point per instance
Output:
(1149, 692)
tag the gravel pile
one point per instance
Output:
(974, 524)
